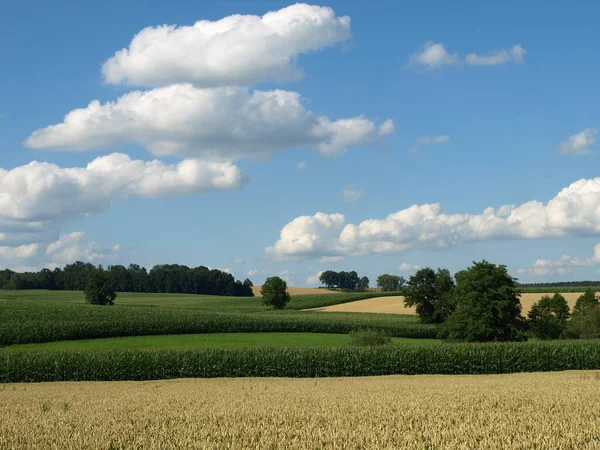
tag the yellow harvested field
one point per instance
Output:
(298, 291)
(518, 411)
(395, 305)
(383, 305)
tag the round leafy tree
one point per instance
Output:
(430, 293)
(548, 318)
(274, 293)
(487, 306)
(585, 303)
(98, 288)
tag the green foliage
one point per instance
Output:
(345, 281)
(551, 289)
(548, 318)
(450, 359)
(431, 293)
(488, 306)
(99, 289)
(584, 325)
(274, 293)
(390, 283)
(369, 338)
(30, 321)
(586, 302)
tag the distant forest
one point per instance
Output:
(164, 278)
(559, 284)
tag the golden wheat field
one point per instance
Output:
(395, 305)
(518, 411)
(297, 291)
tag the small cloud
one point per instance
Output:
(351, 194)
(428, 140)
(433, 55)
(578, 144)
(329, 259)
(238, 260)
(408, 267)
(252, 272)
(515, 54)
(302, 166)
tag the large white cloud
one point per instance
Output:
(37, 199)
(574, 211)
(236, 50)
(217, 124)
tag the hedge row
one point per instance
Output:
(453, 359)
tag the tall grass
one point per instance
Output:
(453, 359)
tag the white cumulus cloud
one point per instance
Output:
(38, 198)
(215, 124)
(574, 211)
(237, 50)
(578, 144)
(66, 250)
(433, 55)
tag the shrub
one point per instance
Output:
(369, 338)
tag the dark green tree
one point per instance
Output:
(274, 293)
(487, 306)
(363, 284)
(99, 289)
(586, 302)
(431, 293)
(389, 283)
(548, 317)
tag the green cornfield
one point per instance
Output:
(26, 321)
(448, 359)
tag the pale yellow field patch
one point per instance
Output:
(382, 305)
(395, 305)
(519, 411)
(297, 291)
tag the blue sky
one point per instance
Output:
(499, 100)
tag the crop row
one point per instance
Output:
(23, 322)
(454, 359)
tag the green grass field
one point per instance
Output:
(213, 340)
(188, 301)
(46, 316)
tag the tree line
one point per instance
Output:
(345, 281)
(162, 278)
(559, 284)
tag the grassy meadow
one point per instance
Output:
(518, 411)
